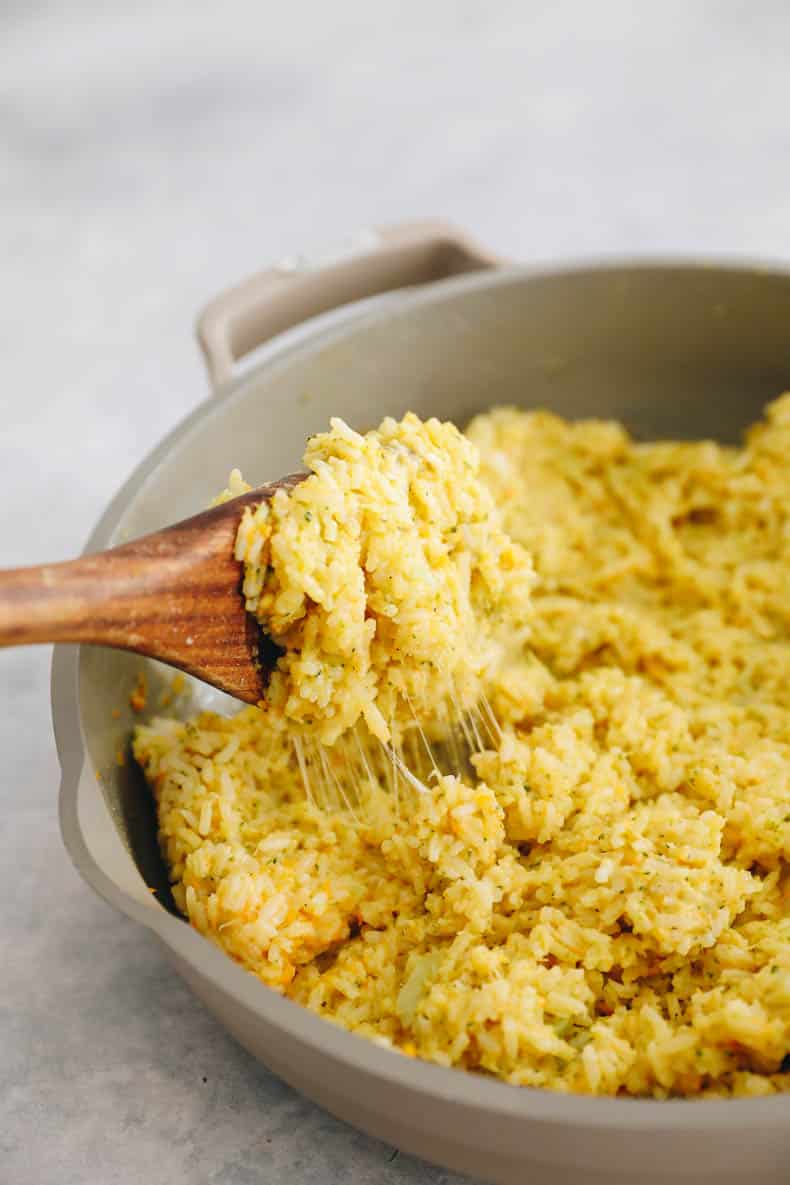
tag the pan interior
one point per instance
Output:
(672, 351)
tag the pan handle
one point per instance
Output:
(376, 261)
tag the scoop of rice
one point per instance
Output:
(385, 577)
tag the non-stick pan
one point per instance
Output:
(431, 324)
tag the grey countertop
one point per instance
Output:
(151, 154)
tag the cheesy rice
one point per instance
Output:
(599, 903)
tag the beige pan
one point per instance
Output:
(678, 349)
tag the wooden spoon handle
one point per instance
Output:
(174, 595)
(114, 598)
(165, 595)
(55, 603)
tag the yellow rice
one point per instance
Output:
(385, 577)
(604, 906)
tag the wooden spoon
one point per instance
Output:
(174, 595)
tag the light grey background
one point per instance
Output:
(151, 154)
